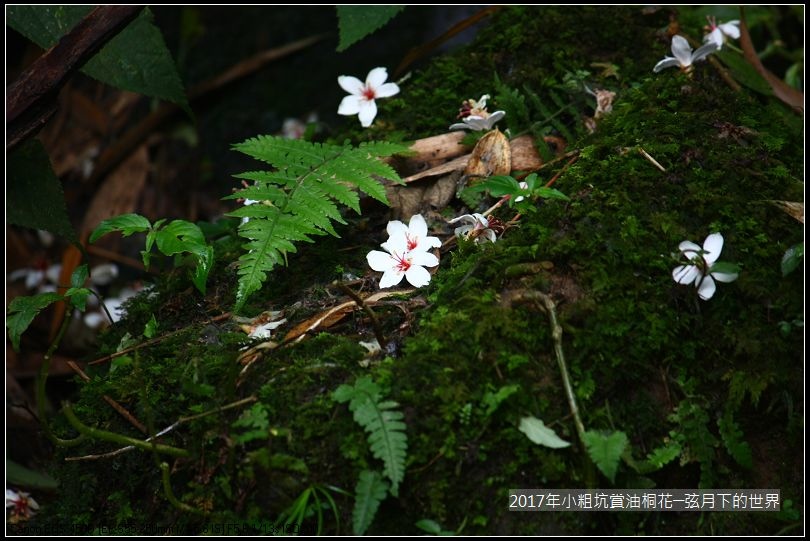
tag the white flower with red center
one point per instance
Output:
(703, 268)
(22, 505)
(474, 226)
(360, 100)
(406, 253)
(684, 57)
(720, 33)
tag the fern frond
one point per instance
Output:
(300, 198)
(386, 431)
(370, 491)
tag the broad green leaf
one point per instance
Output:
(540, 434)
(21, 476)
(606, 450)
(792, 258)
(137, 59)
(370, 491)
(205, 261)
(34, 196)
(79, 276)
(357, 22)
(78, 297)
(126, 224)
(180, 236)
(23, 310)
(430, 526)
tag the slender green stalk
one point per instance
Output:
(42, 378)
(119, 438)
(167, 489)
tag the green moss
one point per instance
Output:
(646, 356)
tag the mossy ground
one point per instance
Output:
(646, 356)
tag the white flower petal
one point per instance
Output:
(368, 110)
(731, 29)
(350, 84)
(386, 91)
(725, 277)
(424, 259)
(688, 246)
(715, 36)
(706, 288)
(350, 105)
(667, 62)
(376, 78)
(417, 227)
(102, 275)
(685, 274)
(713, 245)
(33, 278)
(417, 276)
(391, 277)
(53, 272)
(489, 234)
(94, 320)
(463, 230)
(495, 117)
(396, 228)
(396, 244)
(380, 261)
(705, 51)
(459, 126)
(681, 50)
(464, 218)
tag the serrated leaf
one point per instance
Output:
(539, 433)
(136, 59)
(34, 196)
(357, 22)
(370, 491)
(732, 437)
(23, 310)
(298, 199)
(126, 224)
(606, 450)
(792, 258)
(78, 297)
(550, 193)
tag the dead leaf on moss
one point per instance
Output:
(793, 208)
(491, 156)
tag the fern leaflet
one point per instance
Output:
(297, 200)
(386, 431)
(370, 491)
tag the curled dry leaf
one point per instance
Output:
(491, 156)
(793, 208)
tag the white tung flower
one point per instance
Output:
(701, 263)
(720, 33)
(360, 100)
(406, 253)
(684, 57)
(478, 122)
(474, 225)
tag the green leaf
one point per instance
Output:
(22, 476)
(606, 450)
(430, 526)
(662, 456)
(792, 258)
(744, 72)
(732, 437)
(514, 103)
(386, 431)
(34, 196)
(540, 434)
(300, 197)
(79, 276)
(181, 236)
(126, 224)
(550, 193)
(150, 329)
(370, 491)
(357, 22)
(493, 400)
(137, 59)
(23, 310)
(78, 297)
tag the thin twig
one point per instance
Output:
(153, 341)
(375, 323)
(166, 430)
(574, 158)
(651, 159)
(112, 402)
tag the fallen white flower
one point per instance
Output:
(360, 100)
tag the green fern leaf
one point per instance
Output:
(300, 198)
(732, 437)
(370, 491)
(386, 430)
